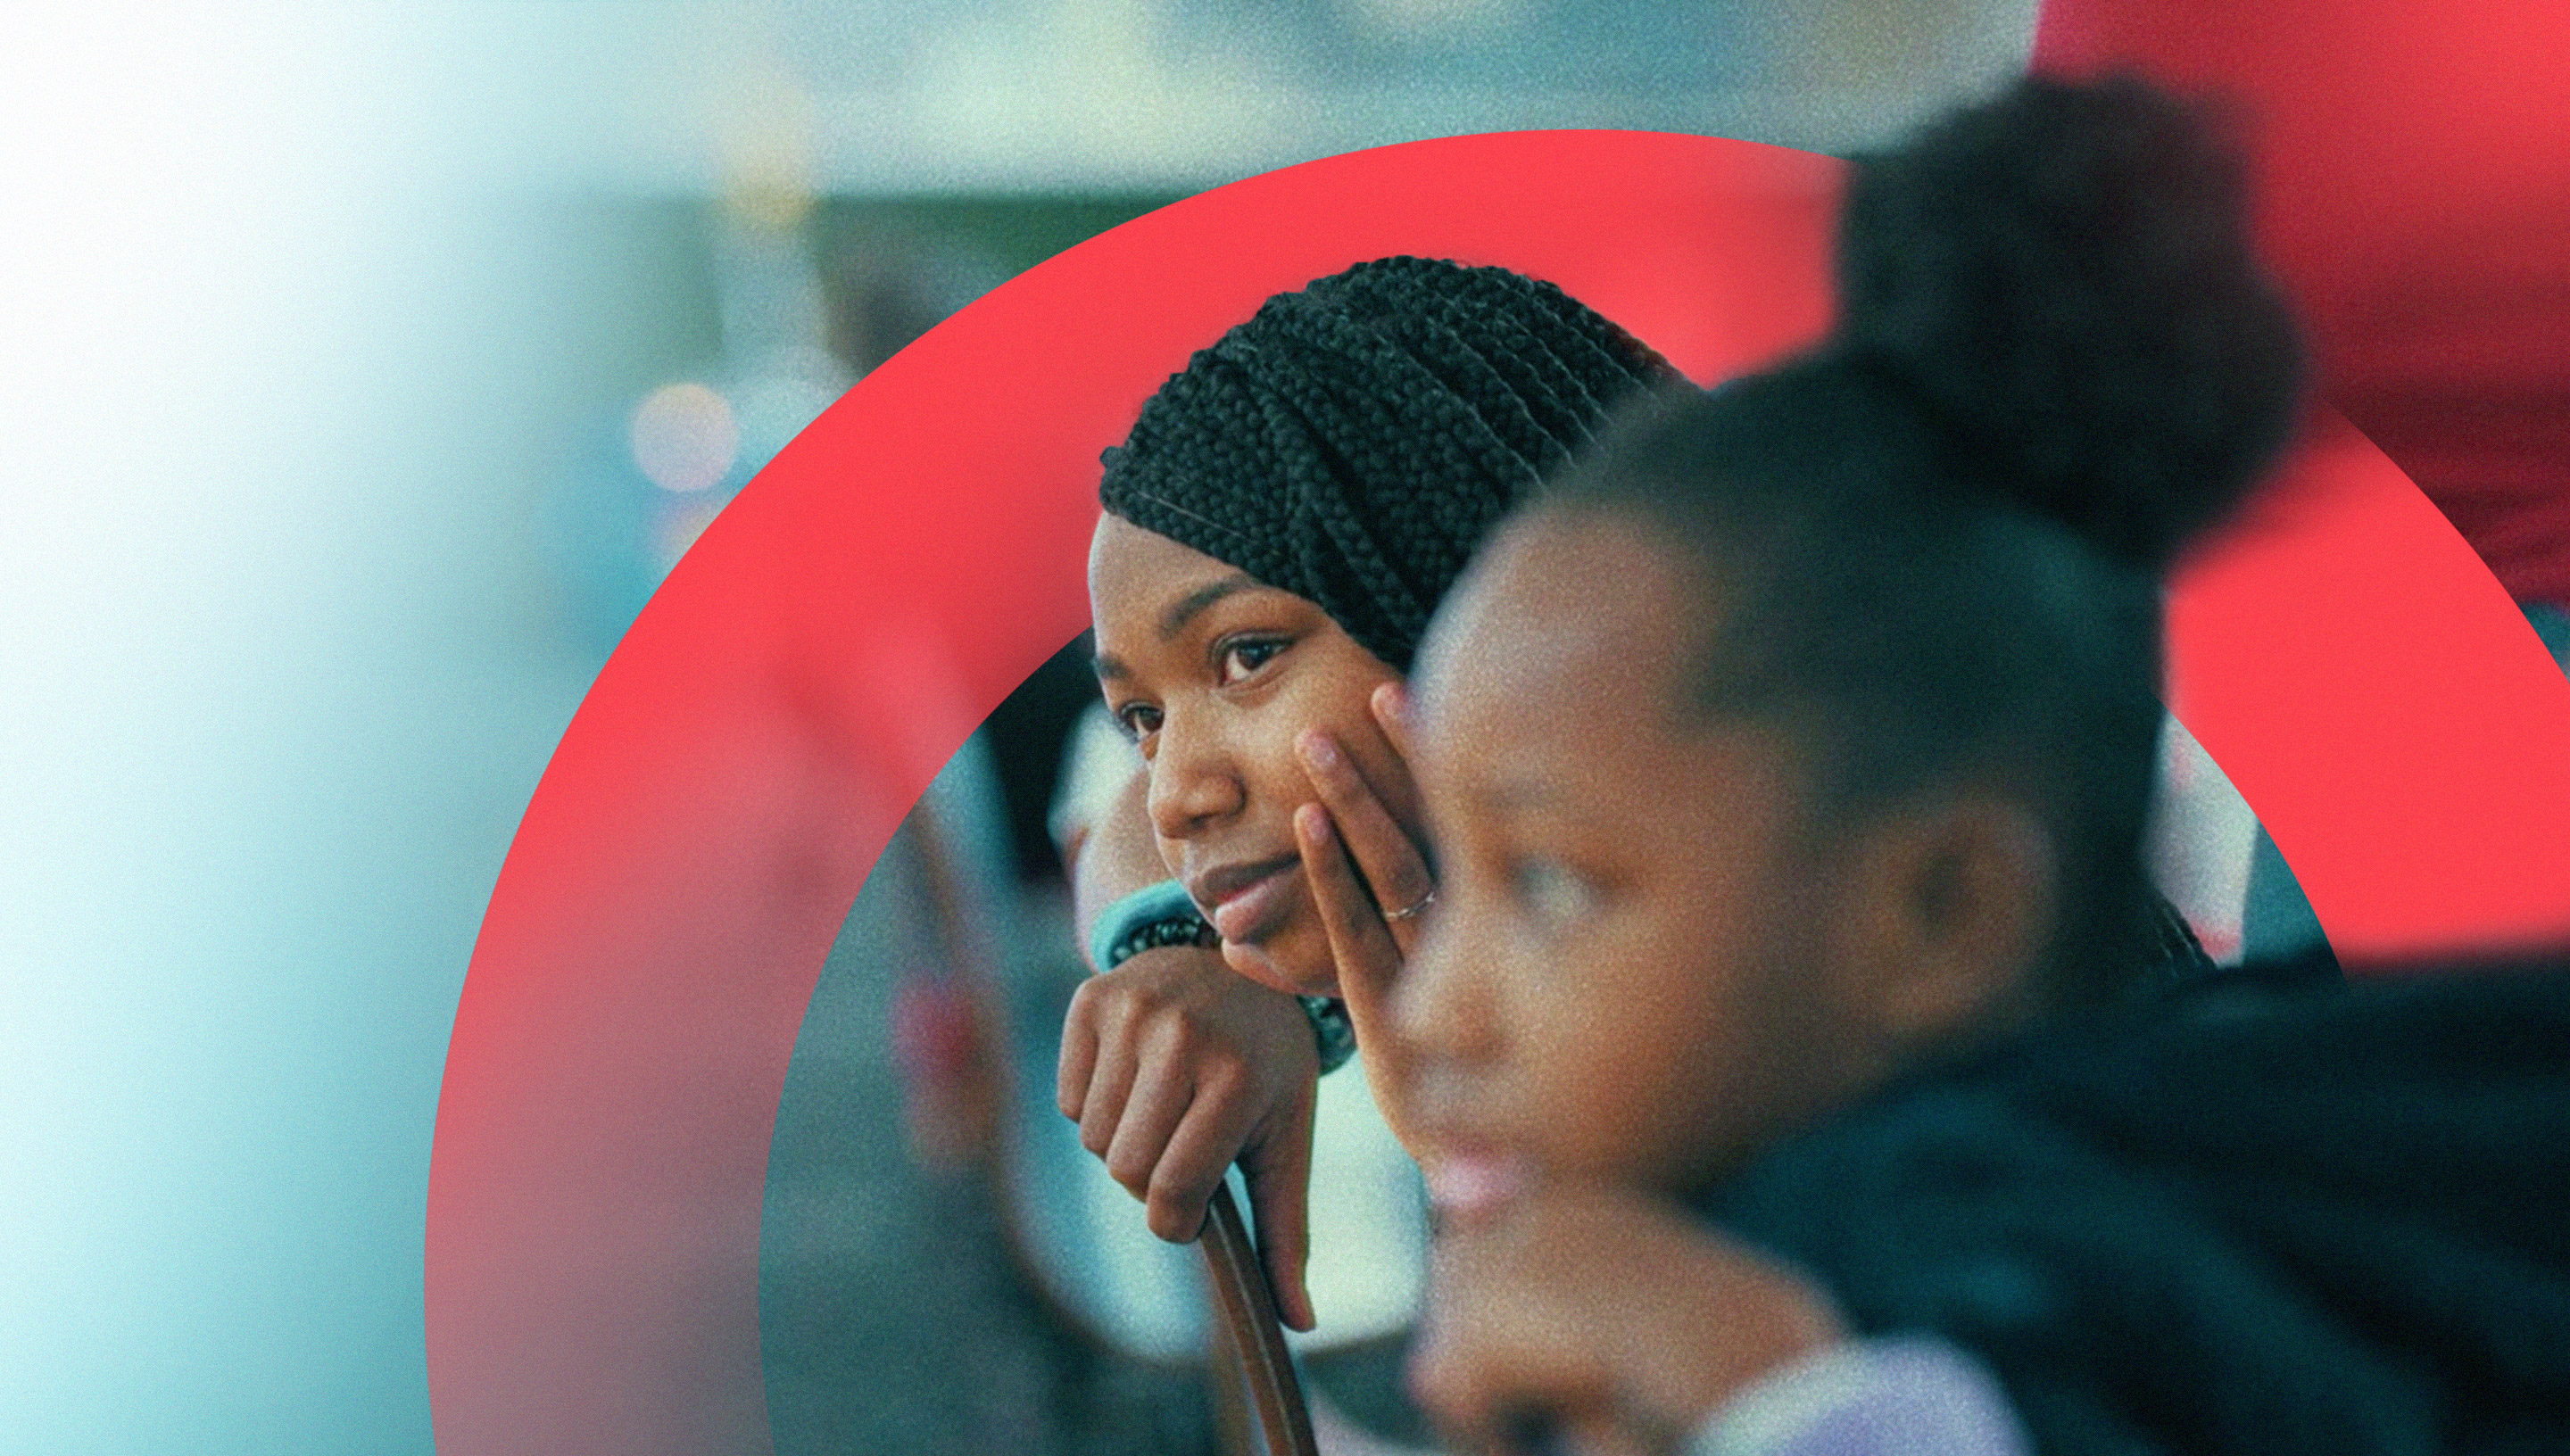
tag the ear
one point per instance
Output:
(1955, 904)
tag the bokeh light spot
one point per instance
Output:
(684, 437)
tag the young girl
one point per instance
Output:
(1786, 767)
(1284, 517)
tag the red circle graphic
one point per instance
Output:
(624, 1032)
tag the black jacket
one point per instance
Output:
(2332, 1221)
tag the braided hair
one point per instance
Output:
(1940, 538)
(1354, 440)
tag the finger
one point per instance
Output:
(1103, 1105)
(1491, 1380)
(1360, 943)
(1207, 1141)
(1079, 1061)
(1162, 1093)
(1386, 858)
(1391, 704)
(1277, 1168)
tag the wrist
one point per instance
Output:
(1334, 1037)
(1161, 916)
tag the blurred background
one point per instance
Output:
(365, 368)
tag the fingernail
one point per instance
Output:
(1313, 823)
(1318, 750)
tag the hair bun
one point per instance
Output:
(2064, 273)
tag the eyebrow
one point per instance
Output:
(1175, 620)
(1184, 610)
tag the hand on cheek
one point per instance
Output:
(1371, 888)
(1369, 872)
(1603, 1316)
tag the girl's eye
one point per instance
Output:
(1239, 660)
(1138, 720)
(1552, 892)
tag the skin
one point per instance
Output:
(1250, 707)
(1175, 1068)
(1650, 960)
(1897, 936)
(1644, 962)
(1614, 1317)
(1215, 676)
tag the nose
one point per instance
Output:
(1194, 782)
(1443, 1002)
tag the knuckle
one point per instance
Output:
(1179, 1188)
(1338, 788)
(1108, 1023)
(1180, 1033)
(1174, 1219)
(1132, 1170)
(1222, 1077)
(1080, 1019)
(1352, 915)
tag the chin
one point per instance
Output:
(1288, 973)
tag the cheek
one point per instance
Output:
(1735, 1048)
(1629, 1048)
(1349, 720)
(1272, 775)
(1555, 1013)
(1265, 737)
(1336, 704)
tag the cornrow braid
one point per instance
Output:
(1354, 441)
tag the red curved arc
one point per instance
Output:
(624, 1032)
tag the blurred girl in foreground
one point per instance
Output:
(1786, 767)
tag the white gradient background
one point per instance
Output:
(298, 304)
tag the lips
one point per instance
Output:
(1245, 902)
(1471, 1175)
(1468, 1184)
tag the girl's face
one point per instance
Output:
(1214, 675)
(1634, 973)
